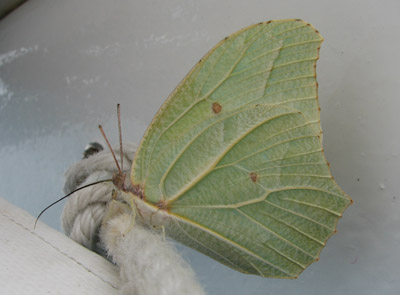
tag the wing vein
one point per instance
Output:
(268, 147)
(276, 234)
(298, 214)
(212, 165)
(232, 244)
(202, 244)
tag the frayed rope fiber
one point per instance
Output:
(148, 264)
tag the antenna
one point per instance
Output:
(120, 136)
(117, 179)
(112, 151)
(66, 196)
(120, 168)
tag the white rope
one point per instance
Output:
(148, 264)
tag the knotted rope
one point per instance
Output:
(148, 263)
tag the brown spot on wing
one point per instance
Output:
(216, 107)
(253, 176)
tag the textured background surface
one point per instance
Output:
(65, 64)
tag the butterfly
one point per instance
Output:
(232, 164)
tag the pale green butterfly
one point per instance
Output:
(232, 165)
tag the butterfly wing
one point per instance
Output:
(235, 154)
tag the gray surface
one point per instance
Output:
(65, 64)
(7, 6)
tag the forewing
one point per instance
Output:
(235, 154)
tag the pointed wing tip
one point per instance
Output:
(292, 20)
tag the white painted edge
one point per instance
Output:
(44, 261)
